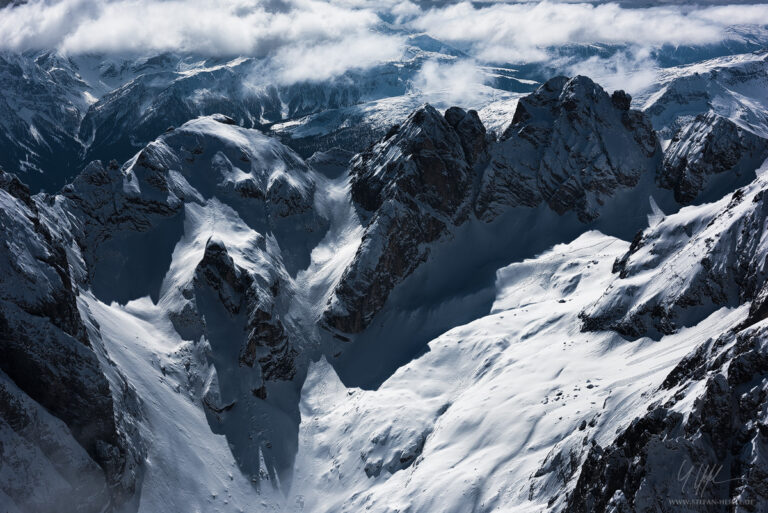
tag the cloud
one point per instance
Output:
(632, 70)
(323, 38)
(318, 39)
(450, 83)
(522, 32)
(327, 60)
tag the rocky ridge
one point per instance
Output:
(570, 146)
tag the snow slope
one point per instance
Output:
(733, 87)
(498, 413)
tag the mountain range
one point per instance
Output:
(223, 294)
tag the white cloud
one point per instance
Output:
(451, 83)
(631, 70)
(325, 37)
(522, 31)
(327, 60)
(318, 39)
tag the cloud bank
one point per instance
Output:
(522, 32)
(319, 39)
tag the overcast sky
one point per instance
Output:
(318, 39)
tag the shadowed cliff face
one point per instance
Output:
(115, 231)
(570, 146)
(411, 187)
(709, 150)
(52, 360)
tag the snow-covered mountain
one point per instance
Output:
(330, 297)
(61, 112)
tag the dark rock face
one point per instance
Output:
(570, 145)
(47, 352)
(689, 270)
(75, 239)
(709, 145)
(39, 116)
(471, 132)
(266, 341)
(422, 161)
(45, 470)
(266, 183)
(621, 100)
(332, 163)
(15, 187)
(410, 188)
(657, 459)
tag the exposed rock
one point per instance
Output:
(709, 145)
(44, 468)
(664, 457)
(471, 132)
(621, 100)
(265, 341)
(722, 86)
(15, 187)
(570, 145)
(47, 352)
(684, 268)
(410, 188)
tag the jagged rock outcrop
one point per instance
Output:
(264, 182)
(709, 145)
(703, 447)
(687, 266)
(410, 188)
(266, 341)
(229, 219)
(49, 360)
(724, 86)
(112, 232)
(471, 133)
(571, 146)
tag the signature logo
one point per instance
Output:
(700, 477)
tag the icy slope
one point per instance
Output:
(206, 224)
(710, 410)
(522, 410)
(188, 467)
(688, 265)
(500, 413)
(711, 118)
